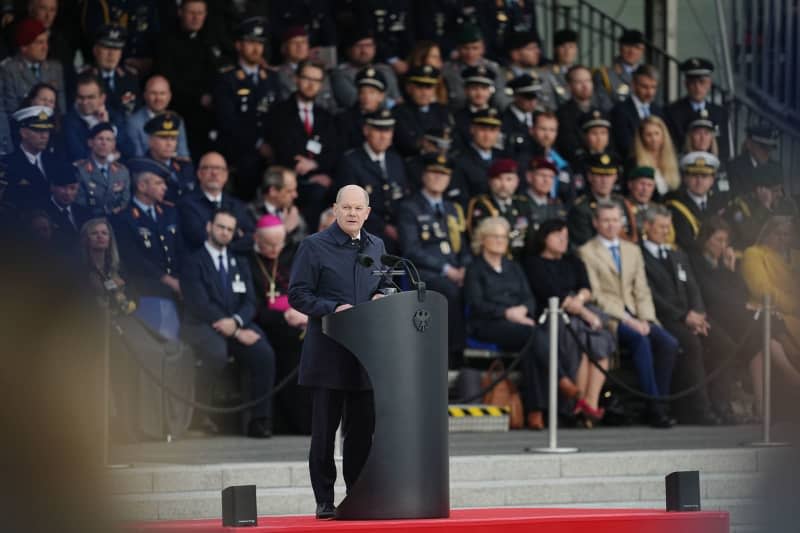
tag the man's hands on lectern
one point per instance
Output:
(343, 307)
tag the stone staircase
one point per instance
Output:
(729, 481)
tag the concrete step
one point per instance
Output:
(729, 481)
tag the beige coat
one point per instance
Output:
(612, 292)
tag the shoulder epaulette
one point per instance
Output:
(226, 69)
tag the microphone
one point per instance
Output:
(410, 268)
(364, 260)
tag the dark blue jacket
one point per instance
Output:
(325, 275)
(148, 249)
(195, 210)
(76, 132)
(385, 191)
(26, 186)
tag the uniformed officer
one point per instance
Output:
(601, 173)
(420, 112)
(616, 79)
(379, 170)
(147, 233)
(242, 97)
(749, 212)
(360, 48)
(474, 160)
(595, 139)
(524, 54)
(696, 200)
(701, 136)
(105, 184)
(433, 236)
(140, 19)
(754, 160)
(471, 50)
(517, 119)
(162, 142)
(479, 89)
(554, 76)
(697, 74)
(390, 22)
(30, 167)
(22, 71)
(570, 114)
(540, 177)
(436, 141)
(370, 97)
(66, 216)
(503, 201)
(121, 83)
(641, 182)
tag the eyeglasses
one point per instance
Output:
(220, 168)
(315, 80)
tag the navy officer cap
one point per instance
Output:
(252, 29)
(111, 36)
(145, 164)
(371, 77)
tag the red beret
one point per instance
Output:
(292, 32)
(502, 166)
(28, 30)
(543, 162)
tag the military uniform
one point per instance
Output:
(350, 122)
(391, 24)
(122, 88)
(182, 177)
(451, 72)
(518, 213)
(432, 240)
(553, 208)
(687, 215)
(103, 192)
(386, 184)
(17, 79)
(148, 248)
(25, 185)
(413, 121)
(139, 18)
(615, 80)
(345, 85)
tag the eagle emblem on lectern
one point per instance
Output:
(422, 320)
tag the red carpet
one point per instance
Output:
(503, 520)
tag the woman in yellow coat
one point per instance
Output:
(768, 267)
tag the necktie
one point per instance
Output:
(703, 205)
(39, 164)
(152, 213)
(437, 207)
(307, 121)
(109, 78)
(37, 70)
(663, 253)
(528, 120)
(617, 258)
(223, 272)
(67, 211)
(104, 171)
(645, 110)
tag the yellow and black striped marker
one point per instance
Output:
(455, 411)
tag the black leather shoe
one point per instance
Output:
(326, 511)
(260, 428)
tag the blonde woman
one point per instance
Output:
(652, 147)
(101, 259)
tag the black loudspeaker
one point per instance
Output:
(683, 491)
(239, 506)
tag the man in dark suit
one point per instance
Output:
(90, 109)
(518, 119)
(303, 137)
(243, 95)
(697, 78)
(433, 236)
(66, 216)
(220, 307)
(147, 233)
(326, 278)
(420, 112)
(197, 207)
(377, 168)
(744, 170)
(626, 115)
(30, 166)
(680, 310)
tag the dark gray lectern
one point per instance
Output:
(402, 344)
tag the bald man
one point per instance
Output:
(157, 96)
(196, 207)
(326, 278)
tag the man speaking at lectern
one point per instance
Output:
(329, 276)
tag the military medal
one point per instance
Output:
(445, 247)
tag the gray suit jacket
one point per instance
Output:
(135, 126)
(16, 80)
(103, 195)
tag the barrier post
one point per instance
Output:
(553, 316)
(766, 403)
